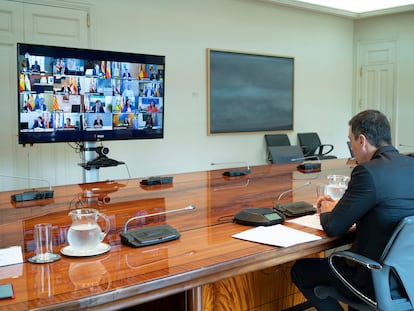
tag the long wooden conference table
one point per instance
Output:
(213, 269)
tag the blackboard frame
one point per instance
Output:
(249, 93)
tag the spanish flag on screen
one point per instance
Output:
(30, 103)
(74, 86)
(22, 86)
(108, 70)
(55, 103)
(121, 104)
(103, 67)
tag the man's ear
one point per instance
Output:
(365, 144)
(362, 139)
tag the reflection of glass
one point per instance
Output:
(90, 275)
(44, 283)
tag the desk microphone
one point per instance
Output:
(294, 209)
(238, 172)
(31, 195)
(190, 207)
(151, 235)
(308, 167)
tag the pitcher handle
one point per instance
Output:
(107, 226)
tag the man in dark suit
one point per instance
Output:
(36, 66)
(98, 107)
(379, 195)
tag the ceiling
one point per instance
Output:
(351, 8)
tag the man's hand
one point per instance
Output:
(325, 204)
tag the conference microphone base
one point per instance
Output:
(233, 173)
(309, 168)
(296, 209)
(259, 217)
(149, 236)
(32, 195)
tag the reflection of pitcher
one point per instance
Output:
(85, 234)
(337, 184)
(90, 275)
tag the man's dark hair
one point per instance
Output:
(374, 125)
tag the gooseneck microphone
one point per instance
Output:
(190, 207)
(235, 172)
(31, 195)
(291, 190)
(314, 157)
(294, 209)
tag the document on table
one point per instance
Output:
(312, 221)
(277, 235)
(11, 255)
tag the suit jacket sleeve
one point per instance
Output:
(357, 200)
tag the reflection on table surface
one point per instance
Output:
(204, 253)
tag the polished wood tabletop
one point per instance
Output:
(125, 276)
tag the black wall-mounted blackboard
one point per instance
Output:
(249, 92)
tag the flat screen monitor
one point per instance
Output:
(75, 95)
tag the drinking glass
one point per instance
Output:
(44, 246)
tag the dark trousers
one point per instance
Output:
(310, 272)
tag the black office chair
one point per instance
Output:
(312, 146)
(397, 259)
(285, 154)
(275, 140)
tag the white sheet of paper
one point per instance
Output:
(11, 255)
(277, 235)
(312, 221)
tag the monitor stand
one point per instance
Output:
(92, 163)
(89, 153)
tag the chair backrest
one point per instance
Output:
(277, 140)
(310, 142)
(398, 255)
(285, 154)
(394, 267)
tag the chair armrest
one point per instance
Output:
(325, 146)
(307, 151)
(357, 258)
(361, 260)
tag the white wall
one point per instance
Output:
(182, 30)
(398, 27)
